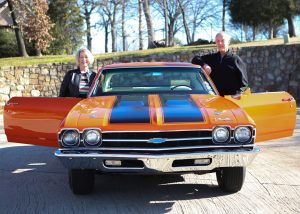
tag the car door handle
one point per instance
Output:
(12, 104)
(287, 99)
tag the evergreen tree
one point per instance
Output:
(271, 13)
(68, 30)
(8, 45)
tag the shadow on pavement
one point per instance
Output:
(35, 180)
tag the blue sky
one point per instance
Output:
(132, 28)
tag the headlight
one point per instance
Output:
(92, 137)
(221, 135)
(70, 138)
(242, 134)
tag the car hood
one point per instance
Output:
(155, 112)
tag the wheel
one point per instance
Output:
(81, 181)
(231, 179)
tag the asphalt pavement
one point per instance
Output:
(32, 180)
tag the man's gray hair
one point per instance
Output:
(224, 34)
(88, 53)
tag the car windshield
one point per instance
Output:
(152, 80)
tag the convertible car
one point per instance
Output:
(152, 118)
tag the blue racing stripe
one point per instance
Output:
(130, 109)
(180, 108)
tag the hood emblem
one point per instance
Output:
(217, 113)
(156, 140)
(93, 115)
(223, 119)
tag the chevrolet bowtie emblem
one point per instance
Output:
(157, 140)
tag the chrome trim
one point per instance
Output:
(159, 163)
(155, 149)
(150, 66)
(152, 131)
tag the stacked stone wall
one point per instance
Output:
(270, 68)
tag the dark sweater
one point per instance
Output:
(228, 73)
(70, 84)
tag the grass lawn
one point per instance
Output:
(24, 61)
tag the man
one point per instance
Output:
(226, 69)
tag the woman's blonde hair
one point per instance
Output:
(88, 53)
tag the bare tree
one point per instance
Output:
(174, 12)
(224, 6)
(88, 8)
(140, 26)
(148, 18)
(124, 35)
(166, 22)
(19, 36)
(185, 24)
(202, 13)
(110, 9)
(104, 22)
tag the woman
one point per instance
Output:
(76, 82)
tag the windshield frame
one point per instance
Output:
(202, 78)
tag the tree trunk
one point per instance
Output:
(223, 14)
(193, 30)
(38, 52)
(106, 38)
(18, 33)
(253, 33)
(271, 30)
(140, 26)
(186, 27)
(275, 31)
(166, 23)
(113, 32)
(149, 24)
(291, 26)
(123, 26)
(113, 37)
(88, 29)
(171, 33)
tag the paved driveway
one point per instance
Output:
(32, 180)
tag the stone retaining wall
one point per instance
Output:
(270, 68)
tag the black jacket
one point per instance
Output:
(228, 73)
(70, 84)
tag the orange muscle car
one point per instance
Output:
(152, 118)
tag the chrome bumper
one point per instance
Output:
(158, 163)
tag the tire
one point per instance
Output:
(81, 181)
(231, 179)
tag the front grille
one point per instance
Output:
(169, 139)
(149, 135)
(167, 144)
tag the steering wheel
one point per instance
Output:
(184, 87)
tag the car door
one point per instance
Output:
(35, 120)
(274, 113)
